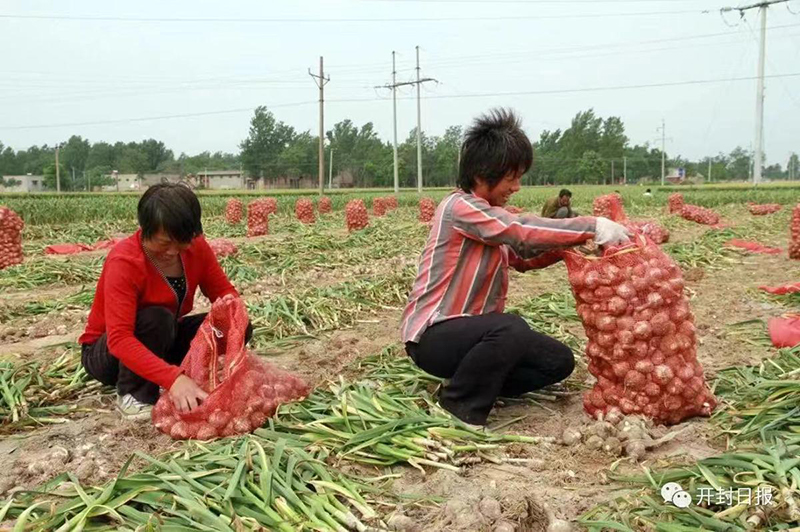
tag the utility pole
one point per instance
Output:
(709, 169)
(612, 171)
(330, 171)
(663, 152)
(321, 81)
(394, 120)
(762, 50)
(58, 171)
(394, 85)
(419, 131)
(624, 170)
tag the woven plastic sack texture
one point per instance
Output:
(234, 211)
(10, 238)
(243, 390)
(258, 216)
(764, 209)
(610, 206)
(427, 208)
(642, 343)
(794, 234)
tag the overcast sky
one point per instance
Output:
(103, 63)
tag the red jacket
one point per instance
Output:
(129, 282)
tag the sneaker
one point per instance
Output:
(131, 408)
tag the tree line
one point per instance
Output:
(591, 150)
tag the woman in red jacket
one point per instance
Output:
(138, 330)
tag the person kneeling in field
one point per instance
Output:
(138, 330)
(453, 325)
(559, 207)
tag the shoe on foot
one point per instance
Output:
(131, 408)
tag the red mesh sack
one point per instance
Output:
(655, 232)
(243, 390)
(234, 211)
(66, 249)
(222, 247)
(763, 209)
(642, 344)
(427, 208)
(10, 238)
(785, 331)
(324, 205)
(514, 210)
(754, 247)
(675, 202)
(794, 234)
(355, 215)
(700, 215)
(390, 203)
(609, 206)
(258, 217)
(378, 207)
(304, 210)
(782, 289)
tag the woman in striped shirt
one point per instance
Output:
(454, 326)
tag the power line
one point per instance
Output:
(435, 97)
(214, 20)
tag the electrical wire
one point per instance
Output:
(443, 96)
(393, 20)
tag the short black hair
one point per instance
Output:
(173, 208)
(493, 146)
(564, 192)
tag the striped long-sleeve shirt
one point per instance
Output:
(463, 270)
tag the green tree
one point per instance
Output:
(266, 140)
(74, 154)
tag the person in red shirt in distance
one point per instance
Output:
(453, 325)
(139, 330)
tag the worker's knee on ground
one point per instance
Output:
(159, 321)
(562, 212)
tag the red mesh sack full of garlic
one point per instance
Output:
(642, 341)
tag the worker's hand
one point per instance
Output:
(186, 395)
(608, 233)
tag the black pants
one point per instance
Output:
(157, 329)
(488, 356)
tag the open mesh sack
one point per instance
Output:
(642, 343)
(243, 390)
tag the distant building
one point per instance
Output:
(123, 182)
(221, 180)
(291, 182)
(27, 183)
(344, 179)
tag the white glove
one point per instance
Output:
(610, 233)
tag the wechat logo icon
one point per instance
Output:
(674, 493)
